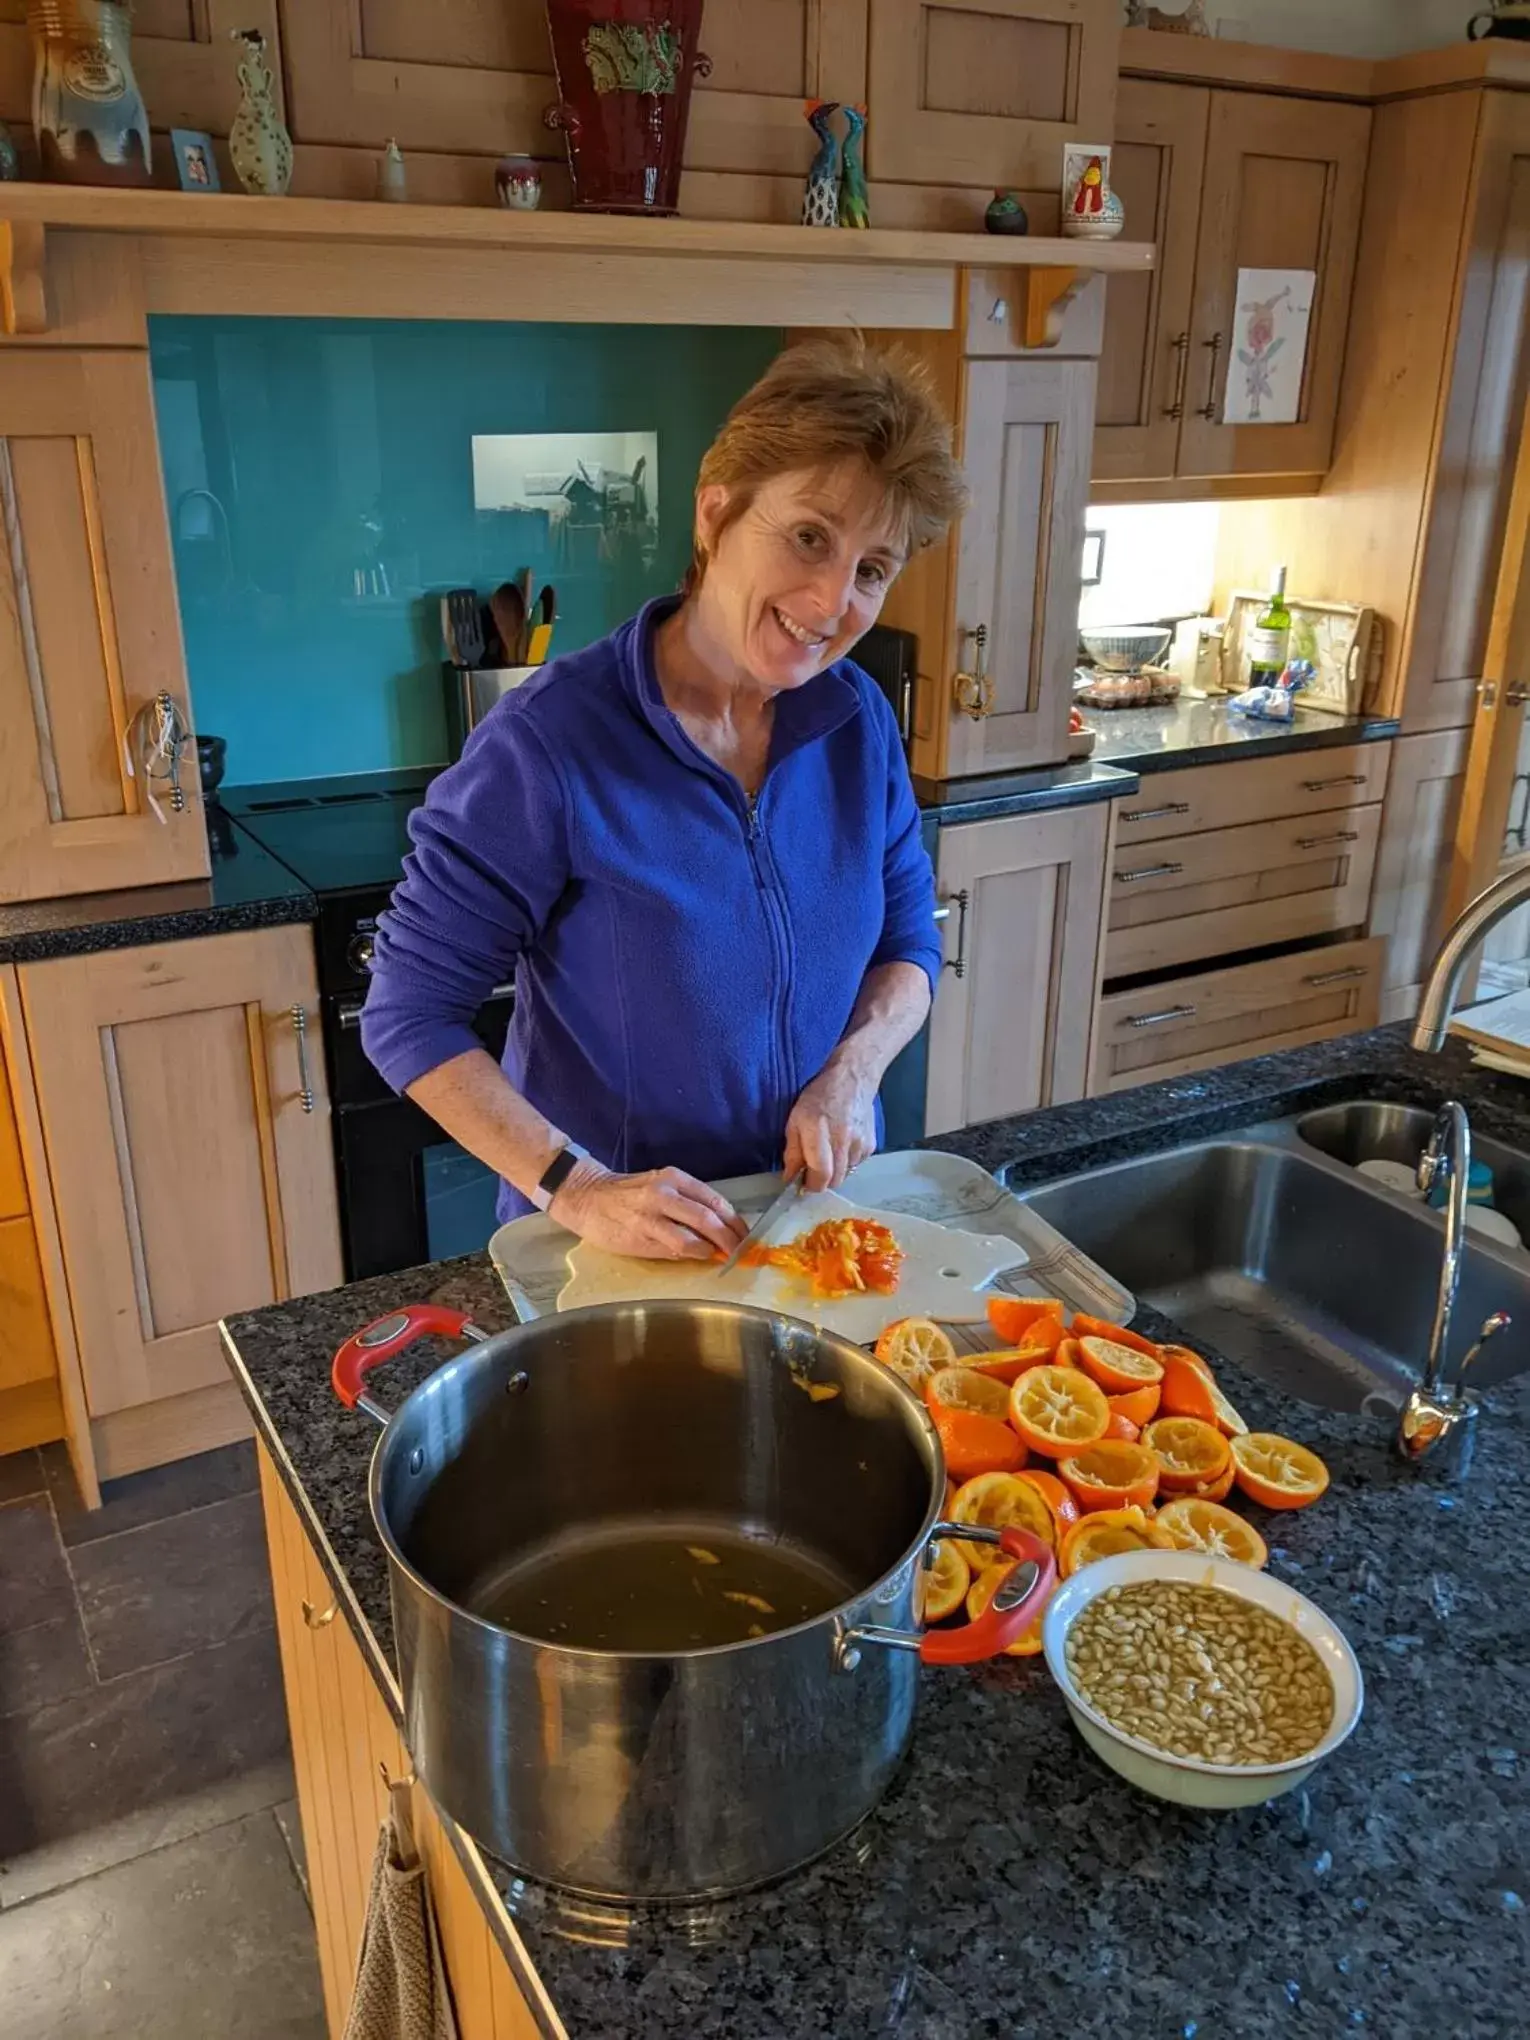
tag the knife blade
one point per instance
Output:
(765, 1221)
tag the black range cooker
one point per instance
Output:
(408, 1194)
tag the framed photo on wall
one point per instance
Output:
(195, 164)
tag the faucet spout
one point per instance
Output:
(1509, 890)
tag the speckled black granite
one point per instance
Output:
(246, 888)
(1011, 1886)
(1018, 793)
(1192, 731)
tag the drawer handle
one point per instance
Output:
(1149, 871)
(1322, 785)
(305, 1081)
(320, 1618)
(1160, 1019)
(1153, 814)
(1317, 842)
(1340, 977)
(1208, 410)
(957, 965)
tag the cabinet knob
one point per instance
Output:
(971, 687)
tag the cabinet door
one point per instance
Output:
(1156, 168)
(185, 65)
(987, 91)
(1019, 558)
(189, 1178)
(1284, 179)
(474, 77)
(1011, 1026)
(1413, 862)
(89, 631)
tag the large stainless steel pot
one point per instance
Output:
(685, 1772)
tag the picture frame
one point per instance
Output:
(195, 164)
(1094, 557)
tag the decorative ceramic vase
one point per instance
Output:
(518, 181)
(1006, 215)
(86, 107)
(259, 146)
(820, 196)
(624, 70)
(854, 205)
(1090, 210)
(392, 177)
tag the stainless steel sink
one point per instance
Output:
(1369, 1130)
(1315, 1278)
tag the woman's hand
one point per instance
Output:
(664, 1215)
(833, 1125)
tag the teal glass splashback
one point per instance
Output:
(321, 484)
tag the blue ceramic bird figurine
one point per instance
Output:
(854, 209)
(820, 201)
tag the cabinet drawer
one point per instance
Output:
(13, 1184)
(1189, 897)
(1219, 1016)
(26, 1347)
(1218, 796)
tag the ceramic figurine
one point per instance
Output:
(820, 201)
(1191, 20)
(86, 107)
(260, 147)
(392, 177)
(1006, 215)
(518, 182)
(854, 207)
(10, 162)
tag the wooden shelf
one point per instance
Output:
(328, 257)
(357, 223)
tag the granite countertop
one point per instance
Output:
(1009, 1884)
(246, 888)
(1196, 731)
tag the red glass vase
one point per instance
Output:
(625, 69)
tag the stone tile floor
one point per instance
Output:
(150, 1859)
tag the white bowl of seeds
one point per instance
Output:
(1200, 1680)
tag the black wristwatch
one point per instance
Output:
(557, 1173)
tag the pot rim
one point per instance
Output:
(478, 1355)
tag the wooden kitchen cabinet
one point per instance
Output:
(1418, 826)
(985, 92)
(89, 630)
(1025, 453)
(190, 1178)
(1011, 1026)
(1278, 184)
(343, 1741)
(475, 77)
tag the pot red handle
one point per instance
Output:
(996, 1629)
(387, 1336)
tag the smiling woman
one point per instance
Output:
(695, 846)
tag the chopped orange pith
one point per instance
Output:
(841, 1257)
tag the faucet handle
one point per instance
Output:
(1500, 1321)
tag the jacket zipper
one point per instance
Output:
(776, 918)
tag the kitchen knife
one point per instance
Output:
(764, 1222)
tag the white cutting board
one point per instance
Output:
(941, 1277)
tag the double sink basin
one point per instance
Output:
(1270, 1247)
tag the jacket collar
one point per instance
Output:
(803, 714)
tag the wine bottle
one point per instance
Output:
(1269, 642)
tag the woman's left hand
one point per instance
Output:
(833, 1125)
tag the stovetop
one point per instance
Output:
(341, 835)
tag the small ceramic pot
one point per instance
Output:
(1101, 226)
(1006, 215)
(518, 181)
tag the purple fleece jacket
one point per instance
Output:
(684, 961)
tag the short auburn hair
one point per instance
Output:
(823, 402)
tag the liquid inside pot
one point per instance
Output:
(658, 1586)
